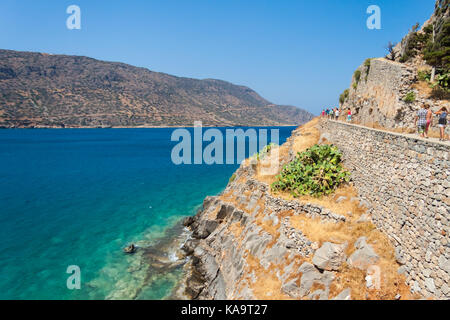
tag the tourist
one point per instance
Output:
(349, 116)
(323, 113)
(336, 113)
(421, 120)
(442, 122)
(429, 121)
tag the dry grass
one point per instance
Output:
(424, 88)
(267, 285)
(329, 202)
(309, 136)
(391, 282)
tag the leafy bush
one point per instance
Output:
(404, 58)
(410, 97)
(357, 75)
(233, 177)
(344, 96)
(424, 75)
(443, 81)
(316, 172)
(441, 89)
(355, 85)
(367, 65)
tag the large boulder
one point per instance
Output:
(330, 256)
(364, 256)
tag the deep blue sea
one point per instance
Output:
(78, 196)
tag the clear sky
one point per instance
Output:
(301, 53)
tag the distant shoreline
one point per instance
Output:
(147, 127)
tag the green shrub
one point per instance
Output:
(424, 75)
(357, 75)
(233, 177)
(344, 96)
(442, 81)
(317, 171)
(355, 85)
(410, 97)
(367, 65)
(404, 58)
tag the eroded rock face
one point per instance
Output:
(247, 243)
(232, 247)
(379, 96)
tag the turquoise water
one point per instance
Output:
(77, 197)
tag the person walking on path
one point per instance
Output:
(442, 122)
(429, 120)
(336, 113)
(349, 116)
(421, 120)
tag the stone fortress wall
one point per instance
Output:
(405, 182)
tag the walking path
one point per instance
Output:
(408, 135)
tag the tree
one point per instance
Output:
(390, 48)
(437, 51)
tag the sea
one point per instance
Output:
(72, 199)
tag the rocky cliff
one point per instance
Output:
(387, 92)
(42, 90)
(251, 243)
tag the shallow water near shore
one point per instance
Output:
(78, 196)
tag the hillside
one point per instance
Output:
(42, 90)
(387, 92)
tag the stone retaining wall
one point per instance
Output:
(406, 181)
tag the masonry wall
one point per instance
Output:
(406, 183)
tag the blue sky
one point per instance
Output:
(301, 53)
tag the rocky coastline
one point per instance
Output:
(248, 243)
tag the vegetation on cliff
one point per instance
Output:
(432, 43)
(317, 171)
